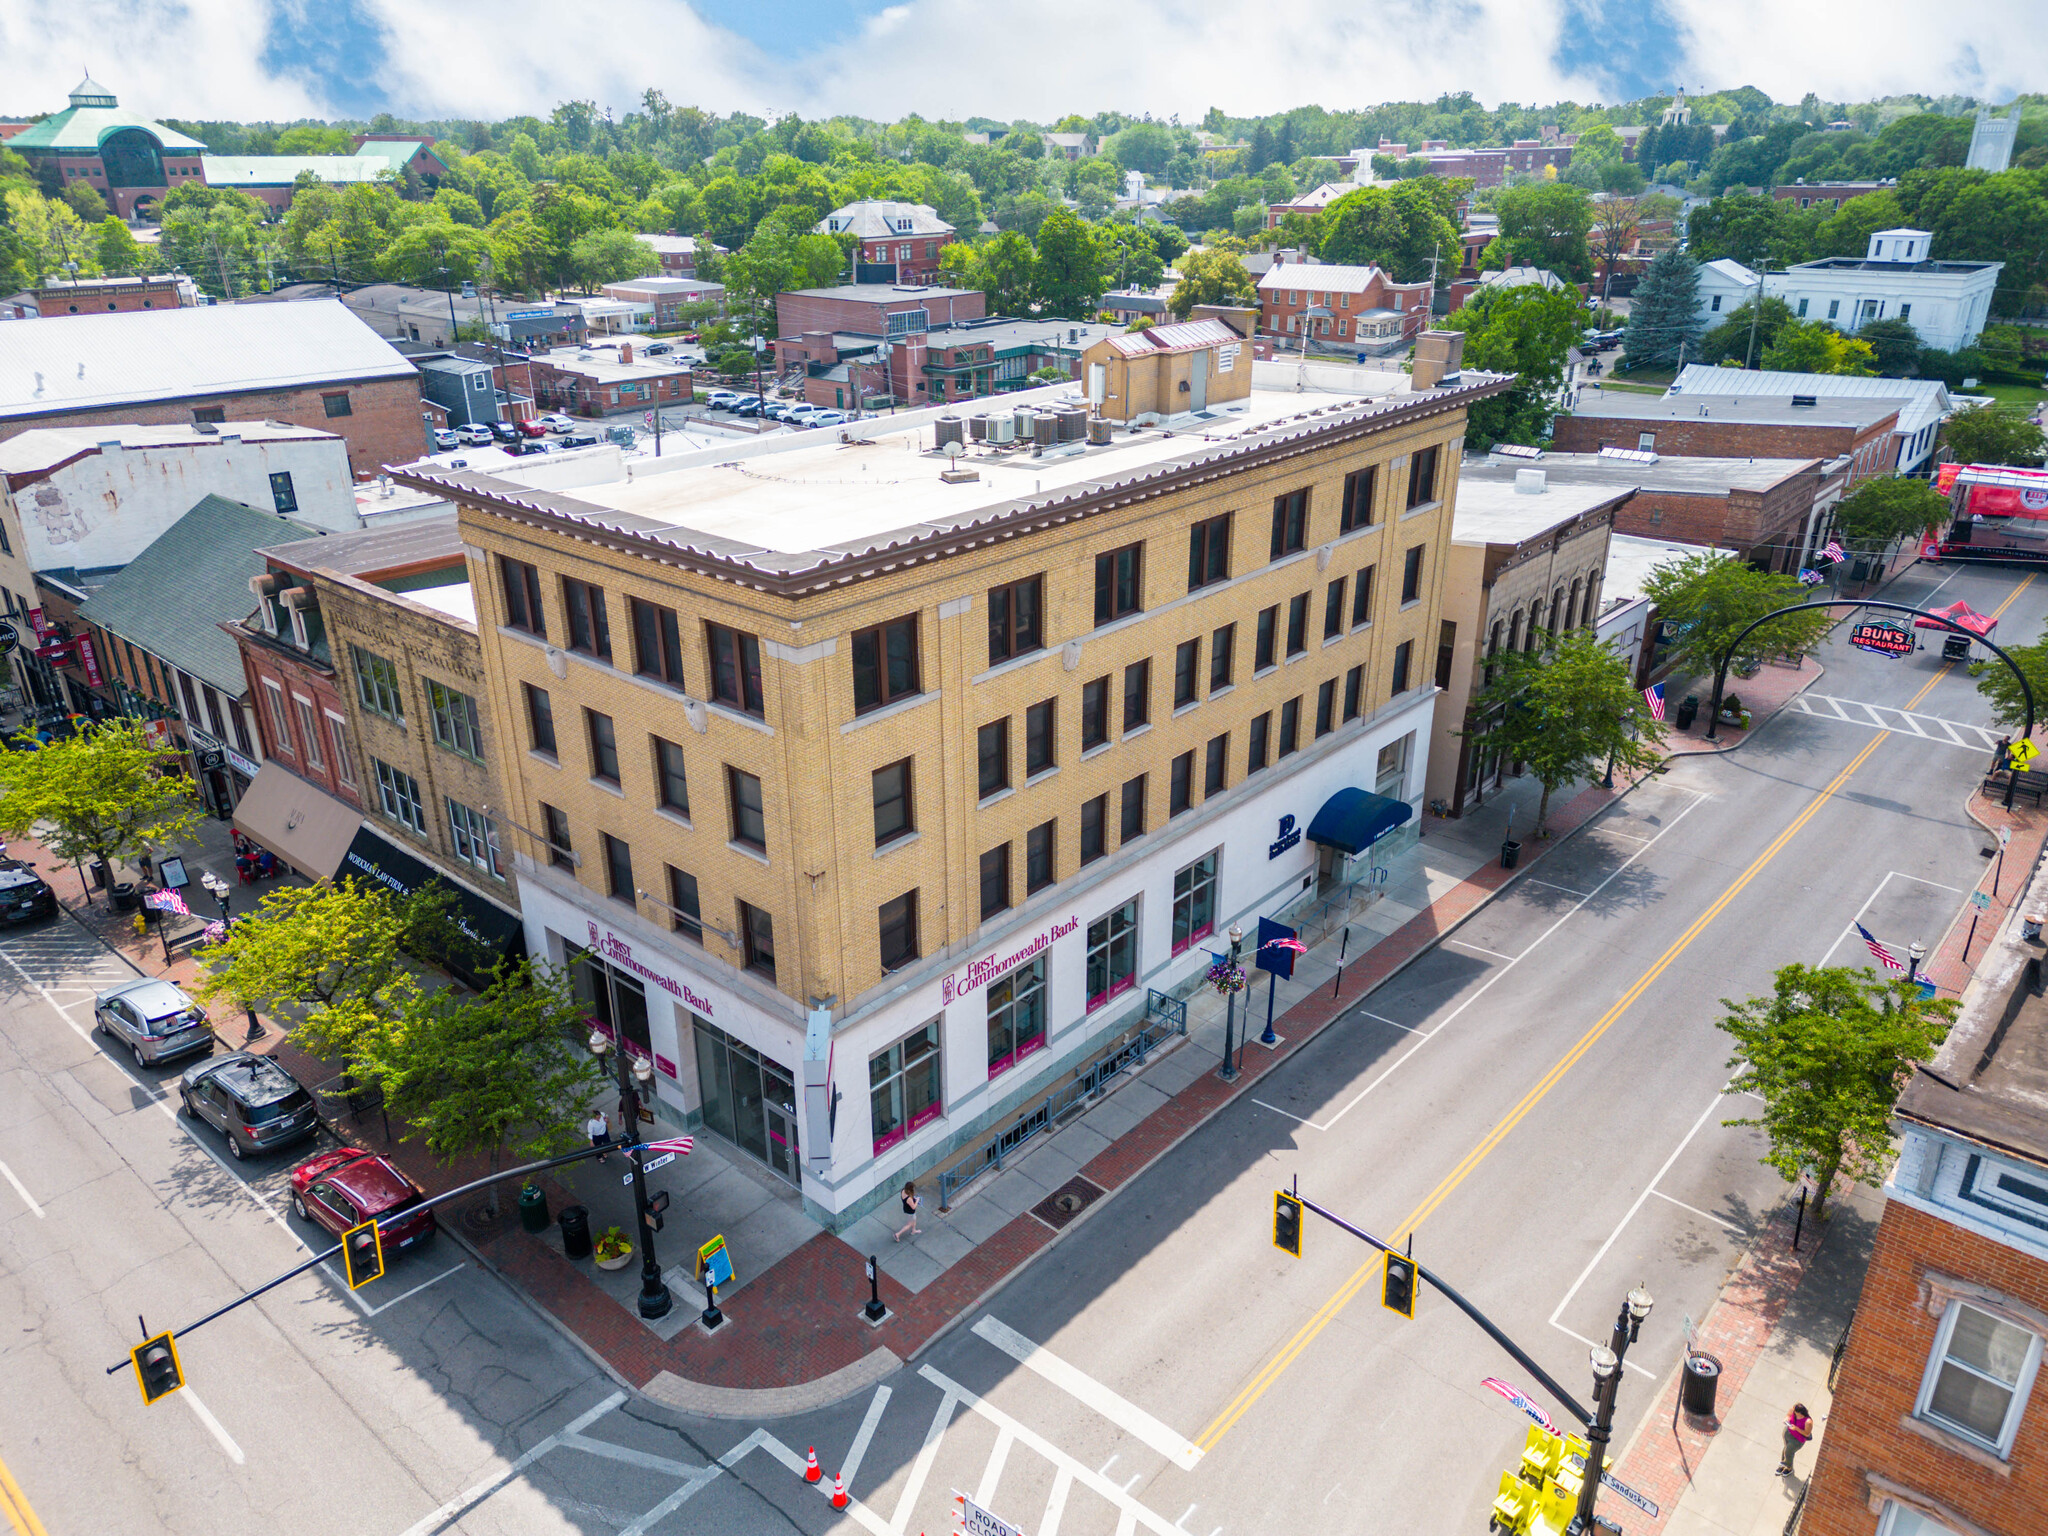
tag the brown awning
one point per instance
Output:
(303, 825)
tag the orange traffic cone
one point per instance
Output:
(839, 1498)
(812, 1471)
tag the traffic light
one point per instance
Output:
(1397, 1285)
(362, 1254)
(157, 1368)
(1286, 1223)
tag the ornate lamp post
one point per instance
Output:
(655, 1299)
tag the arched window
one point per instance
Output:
(1572, 606)
(1590, 609)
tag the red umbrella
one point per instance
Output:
(1959, 613)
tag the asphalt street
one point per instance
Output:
(1537, 1101)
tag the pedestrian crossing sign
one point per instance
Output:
(2021, 753)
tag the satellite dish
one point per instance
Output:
(953, 450)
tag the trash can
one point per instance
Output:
(533, 1209)
(1688, 711)
(125, 899)
(97, 869)
(576, 1231)
(1509, 852)
(1698, 1383)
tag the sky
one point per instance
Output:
(255, 60)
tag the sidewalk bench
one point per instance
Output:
(2025, 783)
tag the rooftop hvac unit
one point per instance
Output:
(1002, 430)
(977, 428)
(1098, 431)
(949, 430)
(1022, 418)
(1045, 429)
(1073, 423)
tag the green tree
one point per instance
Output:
(1143, 147)
(1987, 435)
(783, 256)
(1665, 314)
(1566, 711)
(1131, 258)
(2002, 691)
(1709, 598)
(1751, 230)
(1544, 226)
(106, 793)
(1886, 508)
(1894, 344)
(1068, 278)
(1527, 331)
(1210, 276)
(1734, 341)
(119, 252)
(610, 256)
(1400, 229)
(86, 202)
(1828, 1052)
(1003, 270)
(49, 232)
(504, 1069)
(1814, 346)
(436, 254)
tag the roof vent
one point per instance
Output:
(1805, 401)
(210, 429)
(1531, 482)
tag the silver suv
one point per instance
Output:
(156, 1021)
(253, 1100)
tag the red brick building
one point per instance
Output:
(129, 160)
(1490, 167)
(602, 381)
(116, 295)
(1933, 1430)
(875, 309)
(903, 238)
(294, 681)
(1340, 308)
(676, 253)
(1735, 427)
(1828, 195)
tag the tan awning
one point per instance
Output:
(306, 827)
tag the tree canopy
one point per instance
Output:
(106, 792)
(1885, 508)
(1663, 320)
(1211, 277)
(1544, 226)
(1709, 598)
(1401, 229)
(1988, 435)
(1528, 331)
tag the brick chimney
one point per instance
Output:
(1439, 355)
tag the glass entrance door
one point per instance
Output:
(749, 1099)
(783, 1155)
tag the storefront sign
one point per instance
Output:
(1290, 834)
(1883, 638)
(618, 952)
(663, 1065)
(9, 637)
(89, 658)
(982, 972)
(35, 621)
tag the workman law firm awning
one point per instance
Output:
(1355, 819)
(495, 931)
(306, 827)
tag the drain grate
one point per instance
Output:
(1067, 1202)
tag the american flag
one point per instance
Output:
(676, 1144)
(1294, 944)
(1834, 550)
(1885, 957)
(1654, 697)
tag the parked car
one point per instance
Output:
(779, 410)
(827, 419)
(252, 1100)
(475, 435)
(656, 348)
(445, 438)
(801, 415)
(579, 440)
(722, 399)
(530, 429)
(24, 895)
(750, 405)
(522, 448)
(504, 432)
(346, 1187)
(155, 1020)
(555, 421)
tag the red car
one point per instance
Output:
(530, 429)
(347, 1186)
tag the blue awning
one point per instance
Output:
(1355, 819)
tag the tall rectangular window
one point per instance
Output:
(280, 718)
(1333, 609)
(992, 757)
(1016, 1015)
(995, 881)
(1131, 818)
(749, 820)
(657, 642)
(904, 1084)
(1361, 598)
(1216, 769)
(522, 596)
(1180, 785)
(1290, 523)
(1209, 552)
(1118, 583)
(1422, 476)
(884, 664)
(735, 668)
(1094, 832)
(589, 630)
(398, 796)
(1014, 628)
(1041, 747)
(1194, 903)
(1094, 713)
(555, 824)
(1137, 695)
(893, 814)
(1112, 954)
(540, 719)
(604, 746)
(1446, 652)
(1040, 853)
(1358, 489)
(1221, 647)
(1297, 624)
(344, 757)
(1326, 707)
(1290, 727)
(1402, 653)
(684, 915)
(283, 498)
(897, 919)
(377, 685)
(757, 940)
(1187, 666)
(671, 784)
(1978, 1376)
(1354, 688)
(309, 730)
(1411, 576)
(456, 726)
(1263, 652)
(1255, 750)
(474, 837)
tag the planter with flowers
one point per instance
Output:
(1226, 976)
(612, 1249)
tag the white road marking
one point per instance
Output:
(1706, 1215)
(1127, 1524)
(369, 1311)
(1876, 892)
(462, 1501)
(21, 1189)
(631, 1457)
(992, 1470)
(921, 1468)
(1553, 885)
(1077, 1383)
(1183, 1520)
(1114, 1458)
(1056, 1502)
(1889, 717)
(1482, 949)
(865, 1433)
(213, 1425)
(1482, 989)
(1382, 1018)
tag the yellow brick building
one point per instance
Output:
(939, 766)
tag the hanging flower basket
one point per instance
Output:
(1226, 977)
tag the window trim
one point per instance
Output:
(1290, 524)
(609, 747)
(749, 692)
(1130, 930)
(1004, 607)
(1108, 580)
(1938, 1356)
(734, 806)
(1212, 880)
(908, 901)
(665, 665)
(1209, 548)
(1360, 488)
(909, 826)
(894, 1075)
(662, 746)
(878, 636)
(1000, 756)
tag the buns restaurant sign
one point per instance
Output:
(982, 972)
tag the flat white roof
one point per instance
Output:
(1631, 559)
(1494, 512)
(44, 448)
(457, 600)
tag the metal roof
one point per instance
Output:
(1188, 336)
(85, 124)
(72, 363)
(1316, 277)
(366, 551)
(1776, 410)
(878, 220)
(1921, 401)
(1688, 476)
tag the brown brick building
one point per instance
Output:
(1733, 427)
(875, 309)
(1933, 1430)
(311, 364)
(116, 295)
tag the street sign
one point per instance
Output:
(1609, 1480)
(2021, 753)
(660, 1162)
(9, 637)
(976, 1521)
(1981, 900)
(2005, 833)
(1881, 637)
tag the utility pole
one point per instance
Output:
(227, 283)
(1755, 313)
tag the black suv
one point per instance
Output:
(255, 1101)
(25, 896)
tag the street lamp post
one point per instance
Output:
(655, 1299)
(1607, 1360)
(1230, 1007)
(1914, 955)
(217, 888)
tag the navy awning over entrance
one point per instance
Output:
(1355, 819)
(495, 931)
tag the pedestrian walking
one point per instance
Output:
(910, 1204)
(1798, 1430)
(600, 1131)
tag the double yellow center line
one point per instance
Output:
(14, 1505)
